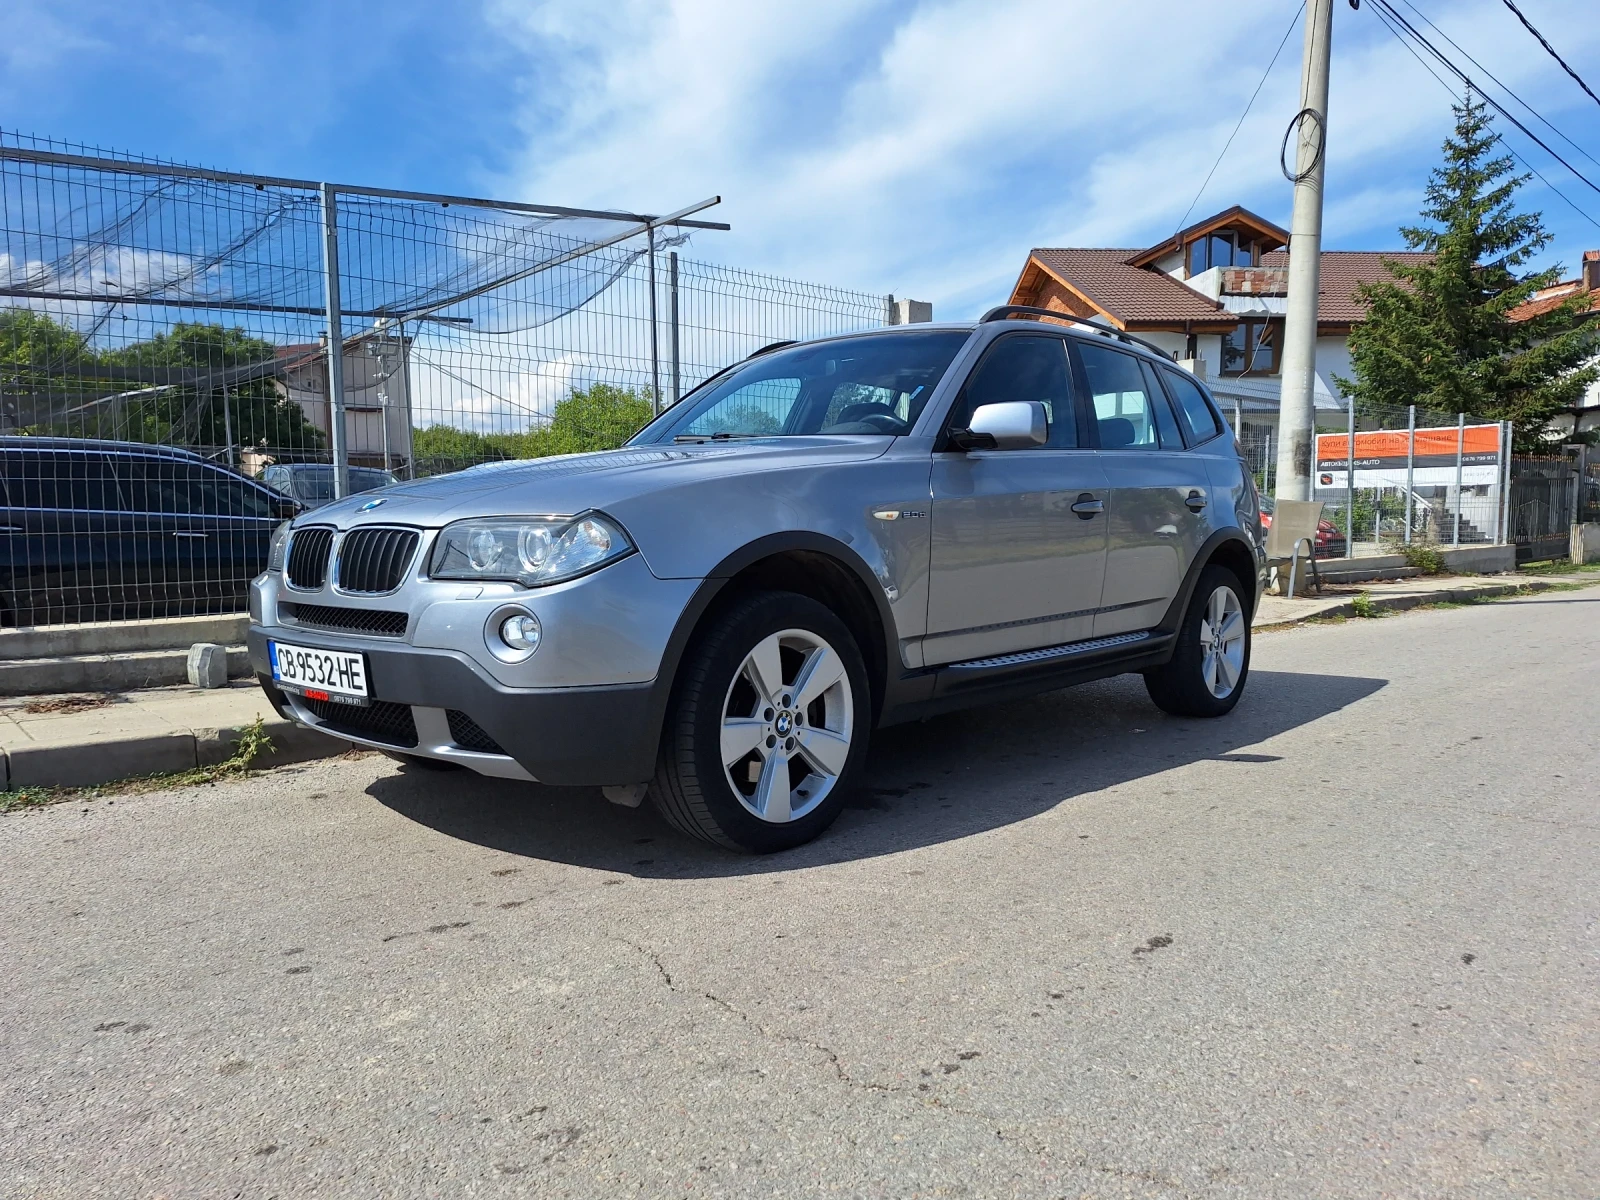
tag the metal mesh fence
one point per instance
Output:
(1423, 505)
(172, 381)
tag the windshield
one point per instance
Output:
(316, 485)
(874, 385)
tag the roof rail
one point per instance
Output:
(1006, 311)
(769, 348)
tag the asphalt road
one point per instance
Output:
(1342, 943)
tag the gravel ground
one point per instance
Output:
(1341, 943)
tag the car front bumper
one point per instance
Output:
(584, 736)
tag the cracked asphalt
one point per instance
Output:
(1342, 943)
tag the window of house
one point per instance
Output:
(1226, 248)
(1251, 348)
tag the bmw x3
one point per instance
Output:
(826, 538)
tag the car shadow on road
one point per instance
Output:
(926, 783)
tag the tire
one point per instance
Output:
(735, 688)
(1196, 682)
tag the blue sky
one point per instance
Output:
(919, 147)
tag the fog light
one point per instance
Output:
(521, 632)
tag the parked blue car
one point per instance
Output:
(101, 530)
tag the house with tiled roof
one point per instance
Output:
(1585, 416)
(1213, 296)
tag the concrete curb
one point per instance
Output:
(120, 672)
(1464, 593)
(103, 761)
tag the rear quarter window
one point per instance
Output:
(1194, 410)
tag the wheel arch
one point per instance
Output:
(810, 564)
(1229, 549)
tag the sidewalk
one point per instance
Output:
(87, 739)
(1338, 600)
(84, 739)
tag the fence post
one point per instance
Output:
(1411, 464)
(405, 390)
(655, 330)
(1238, 422)
(677, 363)
(330, 291)
(227, 422)
(1461, 443)
(1503, 516)
(1350, 486)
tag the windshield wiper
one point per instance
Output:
(721, 435)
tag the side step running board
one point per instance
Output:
(1050, 653)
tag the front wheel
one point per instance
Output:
(767, 728)
(1206, 674)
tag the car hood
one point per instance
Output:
(609, 480)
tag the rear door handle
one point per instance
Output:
(1087, 506)
(1196, 501)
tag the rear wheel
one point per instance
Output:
(1208, 669)
(768, 726)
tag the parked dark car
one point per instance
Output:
(97, 530)
(311, 484)
(1330, 538)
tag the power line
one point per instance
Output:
(1499, 138)
(1295, 20)
(1384, 7)
(1488, 74)
(1543, 41)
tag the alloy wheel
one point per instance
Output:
(1222, 633)
(787, 721)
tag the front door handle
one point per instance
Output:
(1087, 506)
(189, 535)
(1196, 501)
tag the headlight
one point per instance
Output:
(529, 551)
(280, 540)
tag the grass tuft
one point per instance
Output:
(252, 744)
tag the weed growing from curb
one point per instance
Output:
(1364, 606)
(252, 744)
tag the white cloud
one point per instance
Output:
(922, 148)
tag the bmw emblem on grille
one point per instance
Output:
(372, 504)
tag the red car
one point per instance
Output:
(1330, 538)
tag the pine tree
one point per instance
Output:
(1441, 336)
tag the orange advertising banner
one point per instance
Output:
(1382, 459)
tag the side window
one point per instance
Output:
(1127, 406)
(40, 479)
(31, 479)
(759, 407)
(240, 499)
(85, 482)
(1161, 408)
(1198, 416)
(155, 485)
(1023, 368)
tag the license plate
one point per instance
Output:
(320, 674)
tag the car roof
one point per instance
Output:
(103, 445)
(1086, 332)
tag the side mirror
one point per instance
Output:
(1014, 425)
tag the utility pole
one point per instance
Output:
(1296, 410)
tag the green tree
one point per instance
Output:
(598, 417)
(38, 358)
(259, 415)
(1440, 335)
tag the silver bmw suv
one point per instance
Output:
(828, 537)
